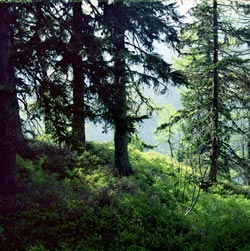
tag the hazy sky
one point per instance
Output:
(185, 5)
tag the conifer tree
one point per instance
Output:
(78, 85)
(64, 40)
(8, 108)
(39, 43)
(61, 37)
(215, 98)
(131, 28)
(60, 66)
(211, 56)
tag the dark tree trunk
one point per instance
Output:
(9, 119)
(45, 95)
(248, 134)
(78, 121)
(21, 143)
(215, 109)
(246, 178)
(44, 90)
(122, 163)
(120, 117)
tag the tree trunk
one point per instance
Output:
(78, 121)
(122, 163)
(248, 134)
(9, 119)
(120, 115)
(45, 95)
(215, 133)
(247, 167)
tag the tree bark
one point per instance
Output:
(122, 163)
(78, 121)
(45, 95)
(248, 141)
(246, 179)
(215, 108)
(9, 118)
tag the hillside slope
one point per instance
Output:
(76, 202)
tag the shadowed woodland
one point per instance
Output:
(65, 64)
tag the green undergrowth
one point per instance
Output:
(75, 202)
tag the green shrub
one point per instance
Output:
(90, 209)
(54, 159)
(222, 223)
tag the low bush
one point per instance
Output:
(93, 210)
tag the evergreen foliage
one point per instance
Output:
(131, 28)
(71, 61)
(211, 122)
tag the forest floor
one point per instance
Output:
(75, 202)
